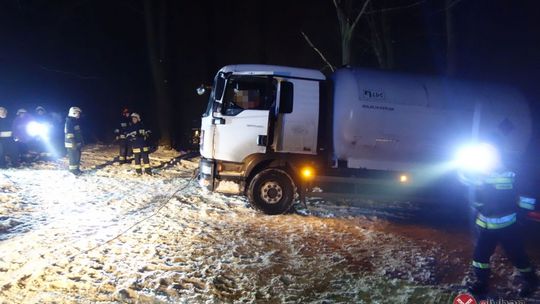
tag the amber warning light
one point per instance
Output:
(307, 172)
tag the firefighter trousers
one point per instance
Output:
(8, 149)
(142, 153)
(511, 241)
(124, 150)
(74, 156)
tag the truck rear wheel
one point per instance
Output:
(271, 191)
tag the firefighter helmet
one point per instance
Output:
(20, 111)
(136, 115)
(74, 112)
(40, 108)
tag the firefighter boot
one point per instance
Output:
(76, 172)
(479, 284)
(477, 287)
(528, 283)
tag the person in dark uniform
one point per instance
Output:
(7, 145)
(120, 133)
(497, 207)
(73, 140)
(137, 137)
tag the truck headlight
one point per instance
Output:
(481, 157)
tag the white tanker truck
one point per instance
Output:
(273, 132)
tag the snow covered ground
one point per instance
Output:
(110, 236)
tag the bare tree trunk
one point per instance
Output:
(380, 40)
(376, 43)
(347, 27)
(156, 42)
(450, 39)
(346, 48)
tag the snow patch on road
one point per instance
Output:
(110, 236)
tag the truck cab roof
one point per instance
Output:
(262, 69)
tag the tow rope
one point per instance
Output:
(161, 206)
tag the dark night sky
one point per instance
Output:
(94, 53)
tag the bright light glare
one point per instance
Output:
(37, 129)
(307, 172)
(480, 157)
(403, 178)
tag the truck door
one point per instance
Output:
(297, 126)
(241, 125)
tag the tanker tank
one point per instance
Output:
(391, 121)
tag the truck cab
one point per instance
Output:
(259, 116)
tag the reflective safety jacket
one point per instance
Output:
(123, 128)
(5, 130)
(138, 136)
(497, 201)
(72, 133)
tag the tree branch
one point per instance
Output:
(452, 4)
(68, 73)
(332, 68)
(359, 15)
(396, 8)
(341, 17)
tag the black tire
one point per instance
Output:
(271, 191)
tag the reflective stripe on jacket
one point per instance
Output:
(5, 134)
(528, 203)
(496, 222)
(137, 134)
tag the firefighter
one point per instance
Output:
(7, 145)
(137, 137)
(120, 133)
(73, 139)
(497, 208)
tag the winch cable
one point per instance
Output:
(176, 160)
(162, 165)
(161, 206)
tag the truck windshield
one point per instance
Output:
(215, 95)
(248, 93)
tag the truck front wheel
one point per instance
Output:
(271, 191)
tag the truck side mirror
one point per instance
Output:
(286, 97)
(202, 89)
